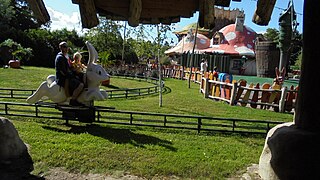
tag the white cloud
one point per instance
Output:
(60, 20)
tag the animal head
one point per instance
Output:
(280, 75)
(95, 72)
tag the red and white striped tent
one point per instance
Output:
(234, 41)
(187, 42)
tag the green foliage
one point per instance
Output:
(272, 34)
(106, 38)
(104, 59)
(146, 45)
(16, 17)
(297, 64)
(165, 60)
(6, 12)
(18, 24)
(45, 44)
(17, 51)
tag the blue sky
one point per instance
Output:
(64, 14)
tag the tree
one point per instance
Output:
(16, 17)
(146, 40)
(16, 51)
(272, 34)
(106, 38)
(45, 44)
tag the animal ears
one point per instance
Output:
(281, 73)
(93, 54)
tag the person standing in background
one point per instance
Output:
(203, 66)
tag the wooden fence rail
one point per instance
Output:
(109, 115)
(199, 123)
(15, 93)
(281, 100)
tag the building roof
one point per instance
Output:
(186, 44)
(234, 41)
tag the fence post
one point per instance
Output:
(206, 87)
(283, 99)
(199, 124)
(233, 93)
(182, 73)
(201, 85)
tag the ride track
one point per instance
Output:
(109, 115)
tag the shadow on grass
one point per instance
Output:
(116, 135)
(112, 86)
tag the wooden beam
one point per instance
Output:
(223, 3)
(39, 10)
(88, 13)
(206, 14)
(135, 9)
(263, 12)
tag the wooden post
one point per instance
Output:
(192, 57)
(201, 84)
(233, 93)
(206, 87)
(307, 106)
(282, 100)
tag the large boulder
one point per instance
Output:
(290, 153)
(15, 161)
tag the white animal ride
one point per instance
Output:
(95, 74)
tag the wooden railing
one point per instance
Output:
(281, 100)
(109, 115)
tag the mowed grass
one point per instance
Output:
(142, 151)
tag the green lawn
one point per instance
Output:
(142, 151)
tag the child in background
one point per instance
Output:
(215, 72)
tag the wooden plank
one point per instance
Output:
(39, 10)
(223, 3)
(263, 12)
(206, 14)
(255, 96)
(242, 83)
(150, 9)
(88, 13)
(274, 94)
(135, 9)
(246, 95)
(265, 94)
(289, 99)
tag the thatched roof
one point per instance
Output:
(152, 11)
